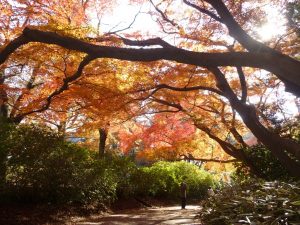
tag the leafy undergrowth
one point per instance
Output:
(254, 203)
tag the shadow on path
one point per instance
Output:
(162, 215)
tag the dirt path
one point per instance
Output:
(161, 215)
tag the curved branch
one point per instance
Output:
(194, 88)
(205, 11)
(12, 47)
(65, 86)
(284, 67)
(148, 42)
(164, 15)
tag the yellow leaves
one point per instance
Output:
(66, 29)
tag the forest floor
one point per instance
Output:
(50, 214)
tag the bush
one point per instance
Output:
(254, 203)
(163, 179)
(268, 166)
(41, 166)
(124, 169)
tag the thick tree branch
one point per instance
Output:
(283, 66)
(243, 83)
(278, 146)
(12, 47)
(237, 32)
(148, 42)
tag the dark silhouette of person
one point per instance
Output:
(183, 188)
(210, 192)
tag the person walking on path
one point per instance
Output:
(210, 192)
(183, 188)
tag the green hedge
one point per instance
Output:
(163, 179)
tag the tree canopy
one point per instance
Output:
(203, 61)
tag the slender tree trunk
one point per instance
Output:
(61, 128)
(3, 99)
(102, 141)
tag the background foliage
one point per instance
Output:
(39, 166)
(163, 179)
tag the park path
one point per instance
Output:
(149, 216)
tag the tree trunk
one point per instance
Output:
(285, 150)
(276, 144)
(231, 150)
(102, 141)
(236, 31)
(61, 128)
(3, 99)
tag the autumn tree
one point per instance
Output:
(216, 38)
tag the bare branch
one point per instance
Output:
(126, 28)
(163, 15)
(194, 88)
(205, 11)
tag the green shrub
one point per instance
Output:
(163, 179)
(124, 169)
(268, 166)
(254, 203)
(41, 166)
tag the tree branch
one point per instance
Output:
(148, 42)
(163, 15)
(243, 83)
(194, 88)
(209, 160)
(205, 11)
(65, 86)
(284, 67)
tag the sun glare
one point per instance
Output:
(268, 31)
(275, 25)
